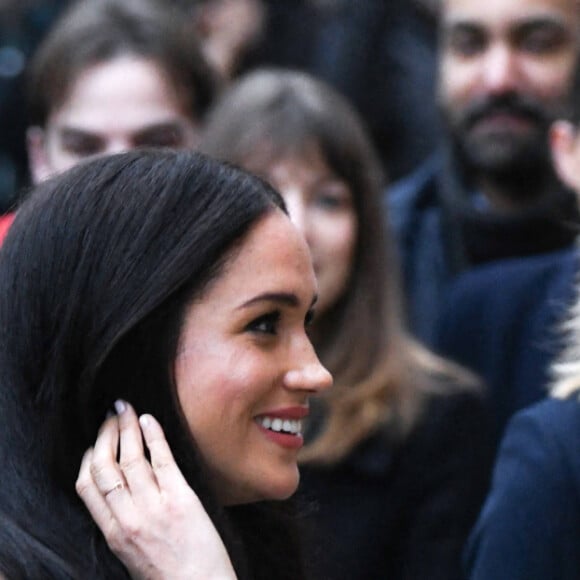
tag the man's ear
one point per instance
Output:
(37, 155)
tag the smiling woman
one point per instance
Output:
(179, 285)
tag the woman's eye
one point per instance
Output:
(309, 318)
(265, 324)
(328, 201)
(332, 198)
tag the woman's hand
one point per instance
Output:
(151, 518)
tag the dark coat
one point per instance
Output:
(443, 228)
(503, 321)
(402, 511)
(529, 528)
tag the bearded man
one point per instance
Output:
(505, 70)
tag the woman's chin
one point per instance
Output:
(272, 489)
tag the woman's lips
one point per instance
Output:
(283, 426)
(287, 440)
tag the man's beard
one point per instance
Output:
(517, 161)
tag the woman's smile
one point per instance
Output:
(284, 427)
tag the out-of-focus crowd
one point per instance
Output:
(429, 154)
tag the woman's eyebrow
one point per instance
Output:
(284, 298)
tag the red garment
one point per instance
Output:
(5, 222)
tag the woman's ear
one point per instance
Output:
(565, 146)
(37, 156)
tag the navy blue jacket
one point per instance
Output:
(402, 510)
(503, 321)
(529, 528)
(442, 229)
(415, 217)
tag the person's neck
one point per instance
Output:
(509, 195)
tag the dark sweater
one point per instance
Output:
(442, 232)
(402, 511)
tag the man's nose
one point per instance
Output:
(117, 146)
(500, 72)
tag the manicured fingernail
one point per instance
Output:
(144, 421)
(120, 406)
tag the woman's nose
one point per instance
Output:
(309, 375)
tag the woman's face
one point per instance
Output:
(245, 367)
(321, 206)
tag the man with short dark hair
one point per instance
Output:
(505, 68)
(114, 75)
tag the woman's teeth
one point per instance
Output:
(293, 427)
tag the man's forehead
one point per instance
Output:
(509, 11)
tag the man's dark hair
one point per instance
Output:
(96, 31)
